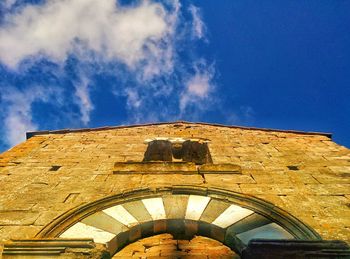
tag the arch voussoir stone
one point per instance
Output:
(183, 211)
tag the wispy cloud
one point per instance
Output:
(198, 87)
(133, 98)
(17, 110)
(140, 45)
(243, 115)
(82, 98)
(7, 4)
(198, 26)
(140, 37)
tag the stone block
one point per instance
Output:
(175, 206)
(154, 167)
(225, 179)
(18, 217)
(220, 169)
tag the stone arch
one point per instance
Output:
(184, 211)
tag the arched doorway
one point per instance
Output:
(183, 211)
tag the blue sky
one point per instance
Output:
(86, 63)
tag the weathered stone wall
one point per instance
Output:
(304, 174)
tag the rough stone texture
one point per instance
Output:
(307, 175)
(165, 246)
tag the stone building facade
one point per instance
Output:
(175, 190)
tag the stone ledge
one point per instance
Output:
(266, 249)
(154, 167)
(220, 169)
(53, 247)
(174, 168)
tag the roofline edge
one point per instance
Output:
(30, 134)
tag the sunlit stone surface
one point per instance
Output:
(80, 230)
(196, 206)
(53, 174)
(231, 215)
(155, 207)
(121, 214)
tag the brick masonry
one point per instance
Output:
(165, 246)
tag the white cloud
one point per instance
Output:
(7, 3)
(140, 45)
(138, 36)
(17, 108)
(198, 87)
(133, 98)
(61, 27)
(198, 26)
(82, 98)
